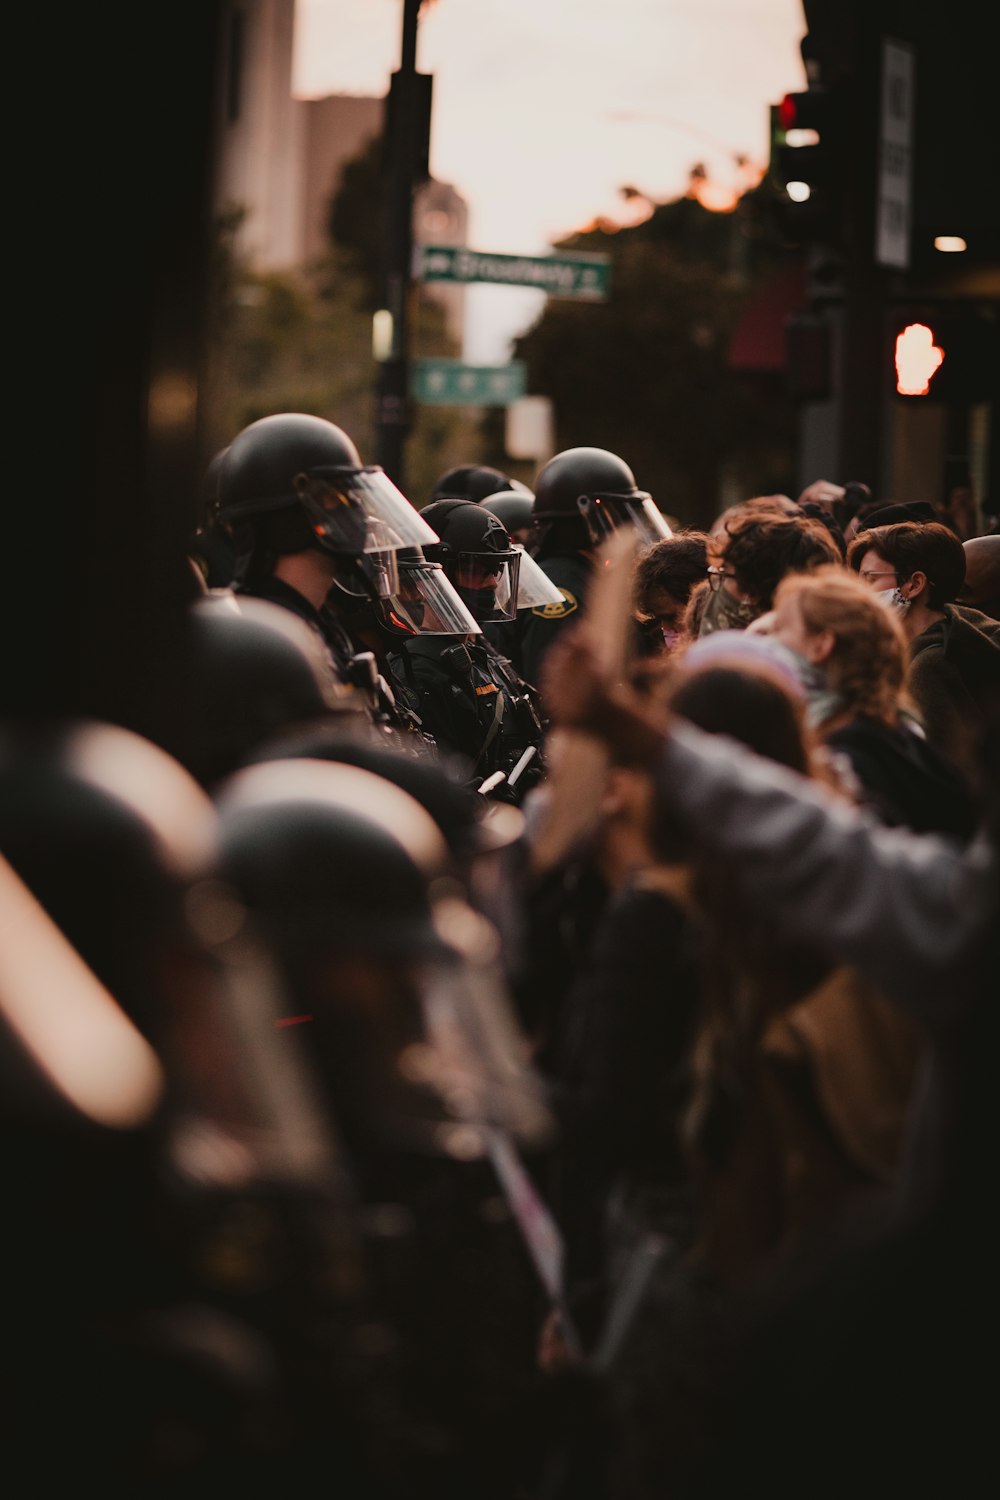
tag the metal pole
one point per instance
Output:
(402, 151)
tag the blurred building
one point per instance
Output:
(279, 159)
(260, 133)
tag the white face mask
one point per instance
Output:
(895, 599)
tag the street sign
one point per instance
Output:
(585, 276)
(895, 157)
(448, 382)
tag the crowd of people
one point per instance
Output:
(533, 1039)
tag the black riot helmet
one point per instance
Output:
(102, 826)
(515, 509)
(130, 1007)
(469, 482)
(596, 488)
(426, 601)
(292, 481)
(104, 838)
(392, 974)
(257, 670)
(475, 550)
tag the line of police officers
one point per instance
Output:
(419, 610)
(263, 1084)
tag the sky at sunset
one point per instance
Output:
(544, 109)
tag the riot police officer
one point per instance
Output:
(535, 589)
(134, 1118)
(582, 497)
(399, 1009)
(470, 482)
(515, 509)
(471, 694)
(310, 525)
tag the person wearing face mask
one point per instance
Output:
(757, 550)
(954, 650)
(665, 577)
(850, 654)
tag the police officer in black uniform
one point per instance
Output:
(471, 695)
(470, 482)
(582, 496)
(311, 527)
(400, 1011)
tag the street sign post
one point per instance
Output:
(895, 158)
(449, 382)
(582, 276)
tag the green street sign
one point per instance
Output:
(447, 382)
(585, 276)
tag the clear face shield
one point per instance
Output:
(488, 583)
(535, 588)
(421, 1051)
(359, 513)
(473, 1054)
(245, 1111)
(426, 603)
(604, 515)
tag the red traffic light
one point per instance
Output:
(811, 110)
(788, 111)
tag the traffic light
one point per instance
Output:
(808, 164)
(946, 354)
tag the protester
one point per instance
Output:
(757, 549)
(880, 1323)
(954, 650)
(665, 576)
(981, 588)
(851, 653)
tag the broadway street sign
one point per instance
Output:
(585, 276)
(447, 382)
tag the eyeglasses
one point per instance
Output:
(869, 577)
(715, 577)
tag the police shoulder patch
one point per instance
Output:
(559, 611)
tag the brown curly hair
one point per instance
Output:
(672, 566)
(868, 663)
(762, 549)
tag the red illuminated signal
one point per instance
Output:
(809, 164)
(918, 359)
(788, 112)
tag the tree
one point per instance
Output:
(645, 373)
(302, 340)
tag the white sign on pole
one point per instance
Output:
(530, 429)
(895, 159)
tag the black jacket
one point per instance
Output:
(905, 780)
(473, 702)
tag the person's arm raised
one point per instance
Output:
(581, 694)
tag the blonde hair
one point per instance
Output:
(867, 665)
